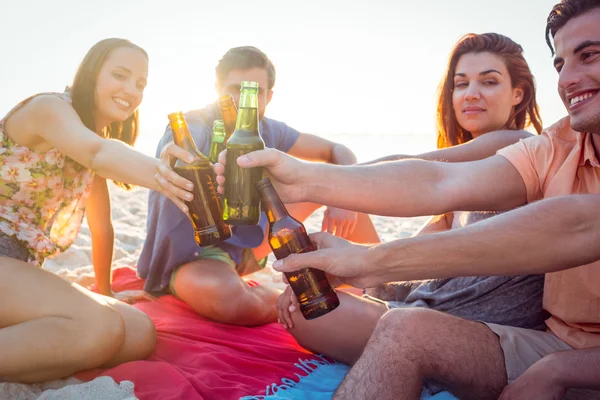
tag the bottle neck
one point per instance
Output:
(182, 136)
(218, 137)
(272, 204)
(229, 114)
(218, 131)
(247, 119)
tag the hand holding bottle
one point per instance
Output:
(170, 182)
(290, 176)
(205, 210)
(342, 260)
(288, 236)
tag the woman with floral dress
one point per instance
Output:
(56, 152)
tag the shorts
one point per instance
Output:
(523, 347)
(12, 247)
(248, 265)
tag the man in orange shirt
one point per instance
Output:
(558, 233)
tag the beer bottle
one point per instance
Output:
(241, 205)
(217, 145)
(205, 209)
(228, 114)
(286, 236)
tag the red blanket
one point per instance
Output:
(199, 359)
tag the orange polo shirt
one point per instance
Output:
(560, 162)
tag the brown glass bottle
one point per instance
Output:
(228, 114)
(205, 209)
(217, 144)
(241, 204)
(286, 236)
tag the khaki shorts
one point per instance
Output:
(523, 347)
(248, 265)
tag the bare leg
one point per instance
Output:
(411, 345)
(53, 328)
(342, 333)
(215, 290)
(365, 230)
(140, 333)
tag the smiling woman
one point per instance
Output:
(56, 152)
(108, 88)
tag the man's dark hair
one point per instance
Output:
(563, 12)
(245, 57)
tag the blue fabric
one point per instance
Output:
(318, 381)
(170, 236)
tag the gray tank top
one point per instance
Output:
(505, 300)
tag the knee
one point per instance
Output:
(233, 300)
(149, 338)
(143, 336)
(102, 333)
(223, 300)
(224, 289)
(205, 278)
(408, 324)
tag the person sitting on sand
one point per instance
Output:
(486, 98)
(56, 152)
(209, 279)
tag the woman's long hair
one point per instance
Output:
(526, 113)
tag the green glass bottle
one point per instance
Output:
(205, 209)
(217, 144)
(287, 236)
(241, 204)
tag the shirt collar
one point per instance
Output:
(589, 151)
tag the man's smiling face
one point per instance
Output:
(578, 64)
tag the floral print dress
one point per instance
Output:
(42, 195)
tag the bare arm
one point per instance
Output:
(477, 149)
(56, 122)
(575, 369)
(101, 229)
(553, 375)
(314, 148)
(522, 241)
(518, 242)
(409, 188)
(405, 188)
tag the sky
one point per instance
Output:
(343, 67)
